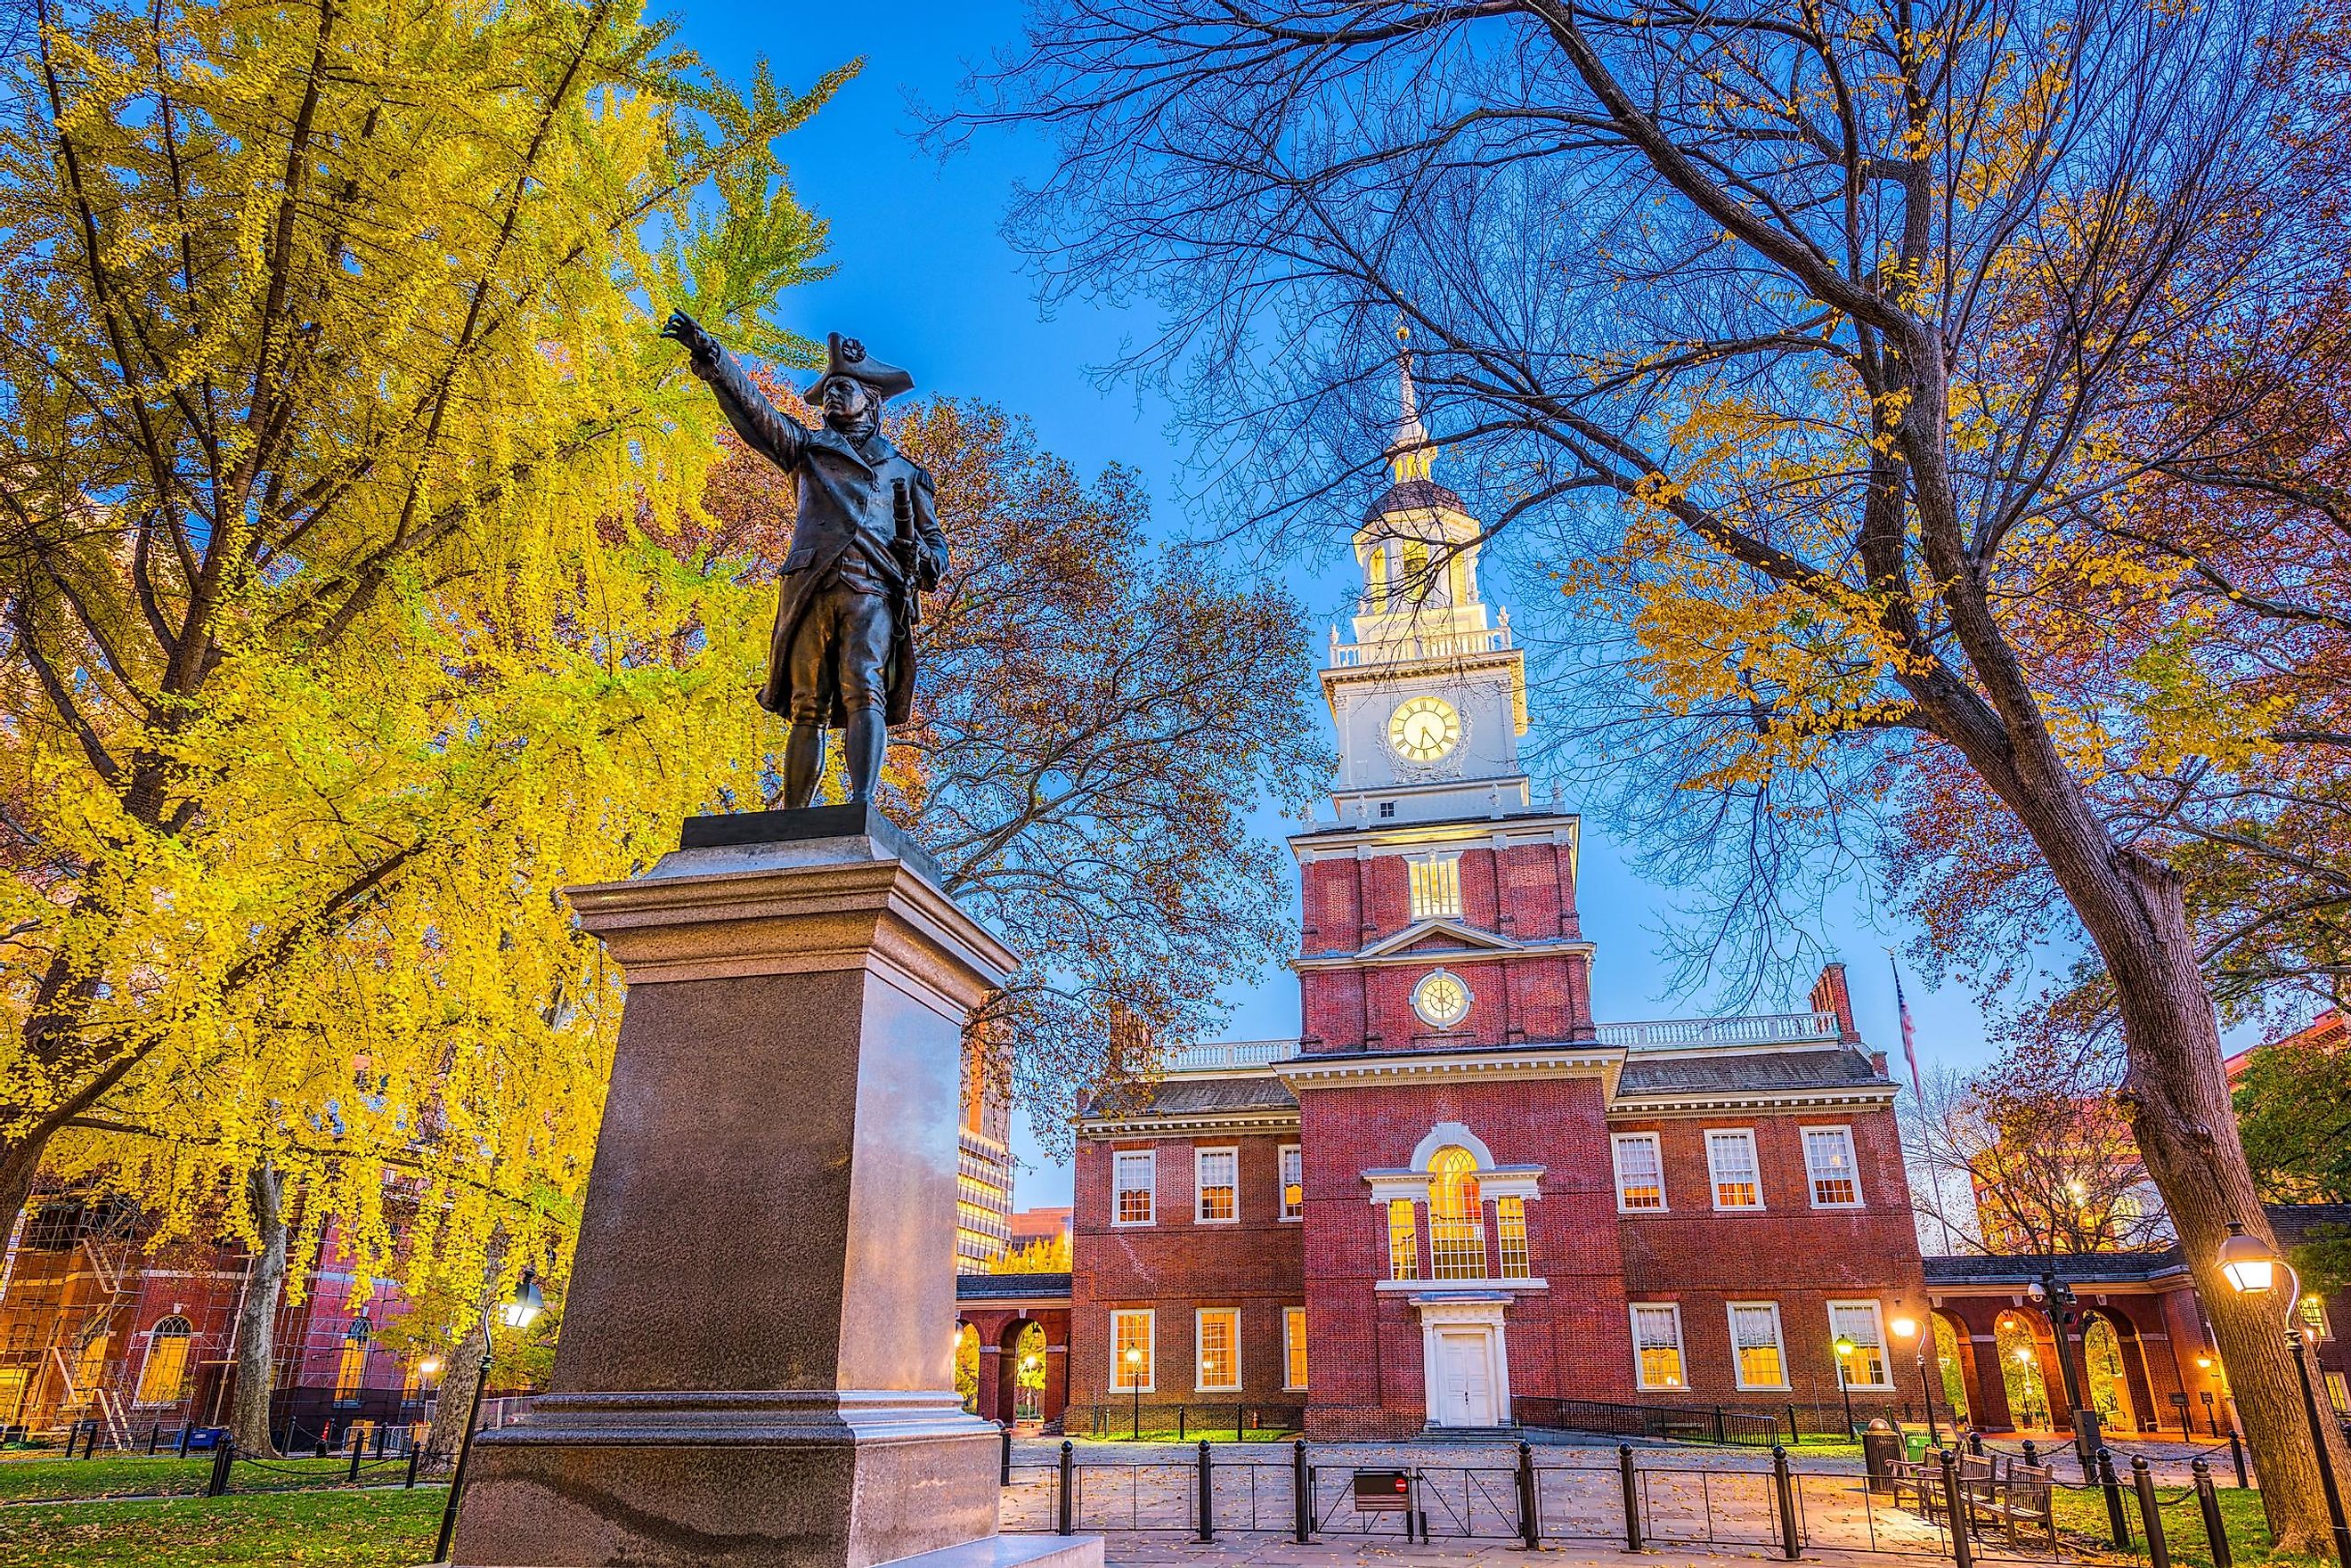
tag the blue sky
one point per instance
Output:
(928, 281)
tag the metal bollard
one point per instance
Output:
(1975, 1443)
(183, 1440)
(1004, 1464)
(2118, 1521)
(358, 1452)
(1207, 1485)
(2236, 1455)
(1632, 1498)
(1064, 1525)
(1785, 1485)
(154, 1435)
(1530, 1516)
(224, 1457)
(2208, 1503)
(2150, 1514)
(416, 1451)
(1955, 1512)
(2032, 1454)
(1301, 1492)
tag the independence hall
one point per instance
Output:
(1455, 1193)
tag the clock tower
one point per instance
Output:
(1440, 906)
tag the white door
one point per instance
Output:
(1464, 1379)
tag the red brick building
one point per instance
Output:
(1454, 1193)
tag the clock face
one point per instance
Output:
(1441, 1000)
(1423, 729)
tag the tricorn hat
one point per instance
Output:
(847, 357)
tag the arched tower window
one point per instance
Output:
(1415, 570)
(1375, 575)
(164, 1379)
(1456, 1219)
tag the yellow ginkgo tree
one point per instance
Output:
(328, 650)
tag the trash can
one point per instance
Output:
(1915, 1446)
(1881, 1450)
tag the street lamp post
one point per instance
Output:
(1903, 1329)
(521, 1312)
(2250, 1268)
(1135, 1381)
(2057, 1298)
(1844, 1348)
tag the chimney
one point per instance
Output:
(1830, 995)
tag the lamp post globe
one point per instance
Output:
(1134, 1382)
(1904, 1328)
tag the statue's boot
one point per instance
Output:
(868, 735)
(803, 760)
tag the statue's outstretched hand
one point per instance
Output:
(684, 328)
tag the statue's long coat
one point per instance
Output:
(844, 504)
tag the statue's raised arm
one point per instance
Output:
(843, 656)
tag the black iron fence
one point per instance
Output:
(1959, 1507)
(380, 1464)
(1144, 1422)
(1679, 1423)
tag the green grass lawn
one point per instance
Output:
(332, 1530)
(135, 1475)
(2082, 1514)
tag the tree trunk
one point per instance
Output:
(2176, 1096)
(256, 1313)
(456, 1399)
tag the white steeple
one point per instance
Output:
(1430, 697)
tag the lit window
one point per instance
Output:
(164, 1379)
(1731, 1160)
(1657, 1345)
(1217, 1175)
(2339, 1392)
(2314, 1315)
(1293, 1346)
(1221, 1350)
(1416, 570)
(1828, 1161)
(1511, 1231)
(1457, 1219)
(1293, 1182)
(1404, 1254)
(350, 1369)
(1861, 1322)
(1130, 1352)
(1640, 1172)
(1755, 1344)
(1435, 886)
(1131, 1183)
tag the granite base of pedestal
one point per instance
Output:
(757, 1366)
(1005, 1552)
(747, 1481)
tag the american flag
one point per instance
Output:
(1909, 1035)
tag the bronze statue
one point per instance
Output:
(865, 545)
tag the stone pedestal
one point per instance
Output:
(757, 1362)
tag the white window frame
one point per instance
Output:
(1150, 1317)
(1852, 1158)
(1779, 1341)
(1714, 1174)
(1428, 875)
(1200, 1190)
(1150, 1188)
(1885, 1351)
(1281, 1208)
(1617, 1165)
(1293, 1339)
(1201, 1316)
(1633, 1310)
